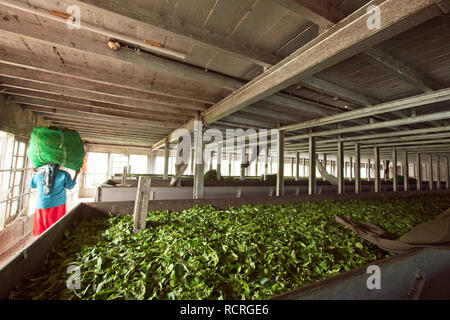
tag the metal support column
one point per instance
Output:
(219, 161)
(351, 169)
(166, 159)
(394, 172)
(199, 163)
(419, 172)
(280, 157)
(357, 168)
(377, 168)
(430, 173)
(297, 165)
(406, 173)
(438, 176)
(340, 168)
(312, 166)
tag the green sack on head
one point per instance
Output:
(63, 147)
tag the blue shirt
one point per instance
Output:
(57, 195)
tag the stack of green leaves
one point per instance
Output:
(249, 252)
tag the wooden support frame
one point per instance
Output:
(141, 204)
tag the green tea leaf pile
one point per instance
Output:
(249, 252)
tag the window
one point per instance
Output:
(138, 163)
(118, 161)
(14, 177)
(96, 169)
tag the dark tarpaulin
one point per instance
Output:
(432, 234)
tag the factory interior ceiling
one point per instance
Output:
(133, 72)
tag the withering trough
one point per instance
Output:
(420, 274)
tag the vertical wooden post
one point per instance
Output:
(304, 167)
(340, 168)
(211, 158)
(141, 204)
(166, 159)
(368, 169)
(394, 172)
(430, 173)
(266, 165)
(351, 169)
(447, 170)
(312, 166)
(297, 164)
(292, 167)
(219, 160)
(324, 163)
(438, 176)
(280, 157)
(230, 163)
(419, 171)
(124, 175)
(377, 168)
(406, 173)
(192, 161)
(199, 175)
(357, 168)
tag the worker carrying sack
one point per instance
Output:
(53, 145)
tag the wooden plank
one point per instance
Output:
(318, 11)
(378, 57)
(141, 204)
(78, 45)
(101, 120)
(95, 77)
(401, 104)
(349, 38)
(385, 124)
(178, 29)
(338, 91)
(65, 108)
(33, 97)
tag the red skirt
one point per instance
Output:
(44, 218)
